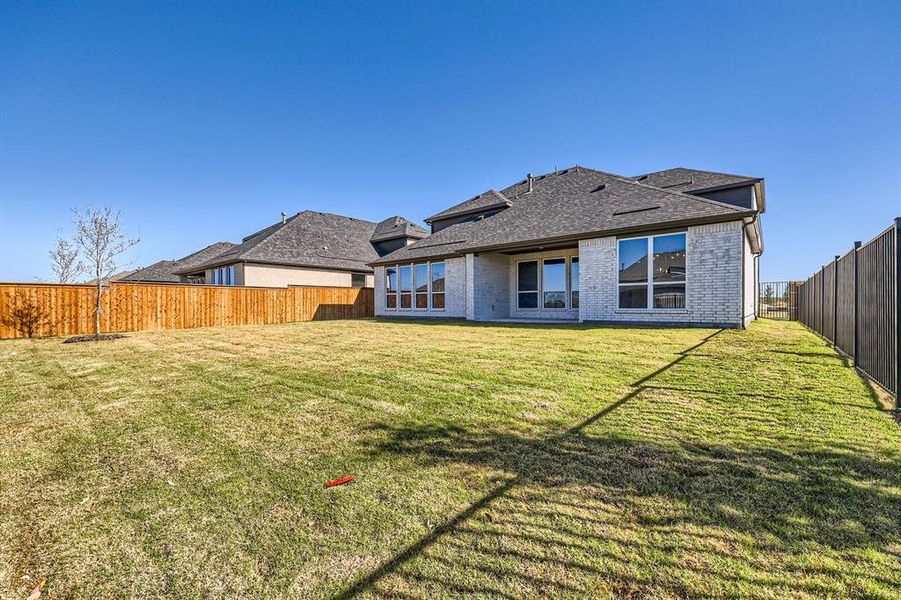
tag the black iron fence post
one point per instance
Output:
(897, 314)
(857, 246)
(835, 301)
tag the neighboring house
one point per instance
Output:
(309, 248)
(164, 271)
(673, 247)
(112, 278)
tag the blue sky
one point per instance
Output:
(202, 122)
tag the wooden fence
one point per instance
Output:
(855, 303)
(40, 310)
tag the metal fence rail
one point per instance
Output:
(855, 303)
(778, 300)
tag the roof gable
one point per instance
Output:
(397, 227)
(483, 202)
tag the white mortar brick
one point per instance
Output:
(713, 279)
(454, 293)
(487, 286)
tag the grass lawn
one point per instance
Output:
(497, 461)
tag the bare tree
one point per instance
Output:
(64, 260)
(100, 237)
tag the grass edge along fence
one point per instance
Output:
(43, 310)
(855, 303)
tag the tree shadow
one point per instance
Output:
(579, 506)
(26, 318)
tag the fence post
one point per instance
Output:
(857, 246)
(835, 301)
(897, 308)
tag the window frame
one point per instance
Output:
(536, 291)
(649, 285)
(443, 292)
(565, 290)
(569, 274)
(428, 293)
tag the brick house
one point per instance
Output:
(679, 246)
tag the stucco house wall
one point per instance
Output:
(279, 276)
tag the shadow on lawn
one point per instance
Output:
(575, 506)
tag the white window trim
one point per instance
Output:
(397, 292)
(650, 282)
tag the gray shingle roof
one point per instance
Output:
(309, 239)
(485, 201)
(681, 179)
(567, 205)
(165, 270)
(396, 227)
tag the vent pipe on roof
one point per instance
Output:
(284, 217)
(529, 177)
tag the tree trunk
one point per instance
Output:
(97, 306)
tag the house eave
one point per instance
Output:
(466, 213)
(201, 268)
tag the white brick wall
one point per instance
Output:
(454, 294)
(750, 282)
(713, 279)
(488, 286)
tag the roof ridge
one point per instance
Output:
(698, 171)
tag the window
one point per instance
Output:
(669, 271)
(357, 280)
(553, 282)
(231, 275)
(391, 287)
(527, 284)
(406, 286)
(421, 283)
(437, 285)
(574, 282)
(215, 276)
(658, 283)
(419, 286)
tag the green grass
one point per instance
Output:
(498, 461)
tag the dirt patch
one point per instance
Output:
(103, 337)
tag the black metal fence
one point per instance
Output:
(855, 303)
(778, 300)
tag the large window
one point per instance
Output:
(421, 279)
(574, 282)
(391, 287)
(657, 283)
(437, 285)
(553, 282)
(406, 286)
(418, 286)
(224, 275)
(527, 284)
(553, 286)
